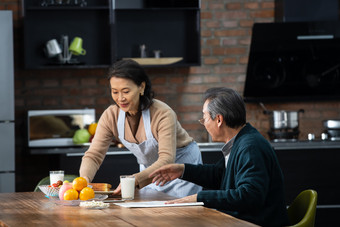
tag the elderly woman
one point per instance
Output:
(144, 125)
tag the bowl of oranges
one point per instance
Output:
(71, 194)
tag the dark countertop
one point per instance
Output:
(306, 145)
(284, 145)
(204, 147)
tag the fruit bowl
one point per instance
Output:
(57, 201)
(49, 191)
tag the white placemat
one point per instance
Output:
(156, 204)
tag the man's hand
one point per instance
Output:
(187, 199)
(167, 173)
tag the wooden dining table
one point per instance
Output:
(34, 209)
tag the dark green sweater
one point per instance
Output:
(251, 188)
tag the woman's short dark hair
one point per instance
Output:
(228, 103)
(129, 69)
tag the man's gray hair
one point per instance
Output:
(228, 103)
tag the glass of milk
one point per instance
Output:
(127, 184)
(56, 175)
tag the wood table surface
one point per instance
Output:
(34, 209)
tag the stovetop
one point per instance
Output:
(305, 144)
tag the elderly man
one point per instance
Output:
(248, 182)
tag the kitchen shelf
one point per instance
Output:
(113, 30)
(156, 61)
(174, 31)
(91, 23)
(42, 8)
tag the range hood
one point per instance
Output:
(294, 61)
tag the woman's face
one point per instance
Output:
(126, 94)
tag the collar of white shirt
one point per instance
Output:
(226, 149)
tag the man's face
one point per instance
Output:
(209, 124)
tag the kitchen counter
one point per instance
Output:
(306, 145)
(204, 147)
(284, 145)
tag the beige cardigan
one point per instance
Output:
(165, 129)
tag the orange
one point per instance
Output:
(92, 128)
(71, 194)
(86, 193)
(79, 183)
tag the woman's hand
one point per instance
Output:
(117, 191)
(87, 180)
(187, 199)
(167, 173)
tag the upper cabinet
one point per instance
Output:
(45, 20)
(154, 33)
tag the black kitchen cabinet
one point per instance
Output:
(113, 30)
(90, 22)
(173, 27)
(316, 169)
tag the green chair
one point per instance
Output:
(46, 181)
(302, 211)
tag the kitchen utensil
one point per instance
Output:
(285, 119)
(332, 129)
(76, 46)
(143, 51)
(157, 53)
(282, 119)
(52, 48)
(283, 124)
(331, 124)
(311, 136)
(324, 136)
(66, 56)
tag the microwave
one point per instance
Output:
(56, 128)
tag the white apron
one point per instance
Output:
(147, 153)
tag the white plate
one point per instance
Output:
(103, 192)
(95, 208)
(75, 202)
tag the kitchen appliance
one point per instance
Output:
(56, 128)
(7, 137)
(306, 10)
(332, 129)
(294, 61)
(284, 125)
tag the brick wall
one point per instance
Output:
(225, 38)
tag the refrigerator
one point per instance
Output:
(7, 137)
